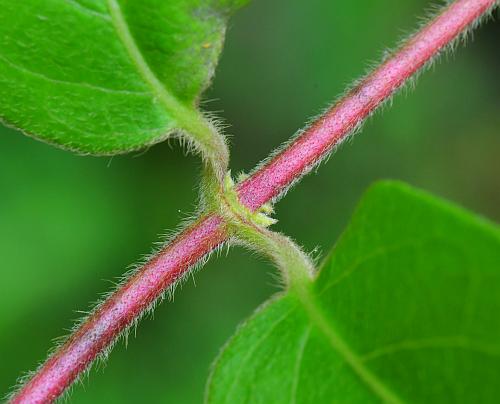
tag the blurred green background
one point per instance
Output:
(70, 225)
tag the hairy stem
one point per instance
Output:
(296, 267)
(250, 229)
(346, 115)
(98, 332)
(122, 309)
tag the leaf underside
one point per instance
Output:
(405, 309)
(68, 77)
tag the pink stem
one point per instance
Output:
(340, 120)
(127, 304)
(121, 309)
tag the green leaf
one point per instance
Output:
(106, 77)
(405, 309)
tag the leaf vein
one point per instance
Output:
(86, 10)
(254, 348)
(318, 318)
(184, 116)
(298, 364)
(41, 76)
(453, 341)
(371, 255)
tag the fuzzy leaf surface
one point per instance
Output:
(404, 310)
(106, 77)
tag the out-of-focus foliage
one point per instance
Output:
(69, 224)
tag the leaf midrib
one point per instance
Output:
(123, 32)
(318, 318)
(186, 117)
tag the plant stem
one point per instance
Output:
(296, 267)
(250, 229)
(342, 119)
(122, 308)
(97, 333)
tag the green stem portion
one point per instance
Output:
(294, 264)
(250, 228)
